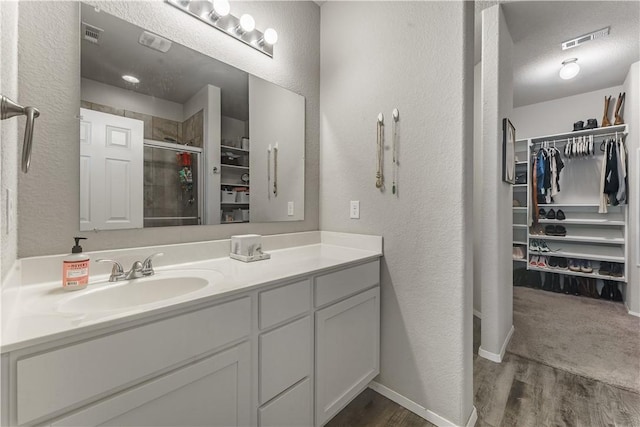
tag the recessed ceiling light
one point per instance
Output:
(570, 68)
(131, 79)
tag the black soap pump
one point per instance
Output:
(75, 268)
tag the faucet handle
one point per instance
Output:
(147, 266)
(116, 271)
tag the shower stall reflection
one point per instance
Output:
(171, 185)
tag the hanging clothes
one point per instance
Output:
(621, 195)
(614, 184)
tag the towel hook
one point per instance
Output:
(9, 109)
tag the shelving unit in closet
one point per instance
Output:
(587, 235)
(520, 199)
(234, 166)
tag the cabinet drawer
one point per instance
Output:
(285, 357)
(54, 380)
(334, 286)
(280, 304)
(292, 409)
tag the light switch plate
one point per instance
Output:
(290, 208)
(354, 209)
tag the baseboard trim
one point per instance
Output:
(633, 313)
(477, 313)
(420, 411)
(495, 357)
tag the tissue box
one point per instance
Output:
(247, 248)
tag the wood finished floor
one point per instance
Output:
(516, 392)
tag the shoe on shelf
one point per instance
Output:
(617, 269)
(533, 260)
(551, 214)
(605, 268)
(536, 230)
(562, 263)
(552, 262)
(593, 288)
(550, 230)
(585, 266)
(542, 261)
(542, 246)
(516, 203)
(542, 213)
(574, 265)
(560, 231)
(617, 295)
(560, 215)
(606, 292)
(533, 246)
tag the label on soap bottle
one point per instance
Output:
(75, 274)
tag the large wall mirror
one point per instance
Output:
(170, 136)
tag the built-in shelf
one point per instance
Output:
(593, 275)
(228, 184)
(524, 162)
(235, 167)
(232, 222)
(239, 150)
(594, 132)
(583, 251)
(584, 239)
(519, 185)
(519, 242)
(578, 221)
(520, 225)
(520, 259)
(569, 205)
(234, 203)
(520, 208)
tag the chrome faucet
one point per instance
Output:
(138, 269)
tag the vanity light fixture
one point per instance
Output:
(221, 8)
(131, 79)
(570, 68)
(216, 13)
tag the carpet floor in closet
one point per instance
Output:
(522, 391)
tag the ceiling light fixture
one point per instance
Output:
(216, 13)
(570, 68)
(131, 79)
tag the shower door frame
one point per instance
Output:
(179, 148)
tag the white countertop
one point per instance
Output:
(32, 315)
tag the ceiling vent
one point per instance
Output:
(91, 33)
(154, 42)
(585, 38)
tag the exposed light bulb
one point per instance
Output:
(270, 36)
(221, 8)
(570, 69)
(131, 79)
(247, 23)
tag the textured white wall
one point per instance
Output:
(559, 115)
(496, 239)
(11, 142)
(632, 117)
(50, 79)
(417, 57)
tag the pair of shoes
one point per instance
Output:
(555, 230)
(614, 269)
(538, 261)
(574, 264)
(562, 263)
(556, 215)
(538, 246)
(518, 252)
(579, 125)
(585, 266)
(536, 230)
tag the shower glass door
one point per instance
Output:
(172, 184)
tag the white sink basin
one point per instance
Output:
(127, 294)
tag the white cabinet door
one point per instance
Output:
(347, 351)
(111, 171)
(291, 409)
(212, 392)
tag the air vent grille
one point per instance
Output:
(585, 38)
(91, 33)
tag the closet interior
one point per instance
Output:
(570, 219)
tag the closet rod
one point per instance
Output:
(565, 140)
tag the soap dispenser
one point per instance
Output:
(75, 268)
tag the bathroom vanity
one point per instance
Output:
(282, 342)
